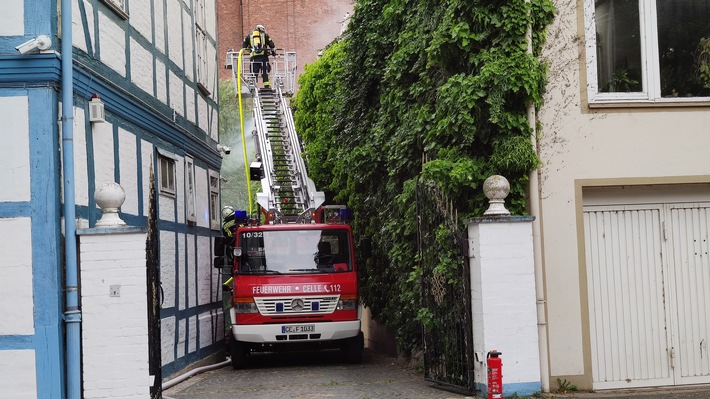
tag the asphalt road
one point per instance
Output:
(311, 375)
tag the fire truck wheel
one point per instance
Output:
(353, 349)
(238, 352)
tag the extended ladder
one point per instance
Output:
(287, 191)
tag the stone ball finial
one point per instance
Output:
(109, 197)
(496, 188)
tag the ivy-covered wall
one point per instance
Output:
(420, 88)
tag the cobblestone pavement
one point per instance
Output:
(325, 375)
(307, 375)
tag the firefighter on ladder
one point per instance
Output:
(260, 46)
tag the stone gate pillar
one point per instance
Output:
(114, 304)
(504, 312)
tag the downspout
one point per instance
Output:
(72, 314)
(536, 210)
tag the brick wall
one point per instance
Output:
(114, 313)
(306, 26)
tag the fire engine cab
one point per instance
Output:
(291, 264)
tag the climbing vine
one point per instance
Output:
(436, 89)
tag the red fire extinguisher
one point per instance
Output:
(495, 375)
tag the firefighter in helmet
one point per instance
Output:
(260, 46)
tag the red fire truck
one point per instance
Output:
(294, 277)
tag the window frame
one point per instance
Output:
(118, 6)
(215, 200)
(201, 46)
(163, 161)
(651, 83)
(190, 191)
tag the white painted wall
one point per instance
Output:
(128, 166)
(81, 171)
(112, 44)
(18, 379)
(78, 38)
(14, 153)
(141, 67)
(114, 328)
(582, 143)
(16, 302)
(503, 301)
(12, 19)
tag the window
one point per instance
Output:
(190, 213)
(215, 213)
(119, 6)
(648, 50)
(167, 175)
(201, 45)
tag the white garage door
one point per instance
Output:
(648, 276)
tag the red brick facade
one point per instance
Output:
(302, 25)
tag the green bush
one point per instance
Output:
(430, 88)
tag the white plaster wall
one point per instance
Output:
(167, 340)
(78, 38)
(190, 106)
(182, 329)
(202, 114)
(161, 84)
(212, 70)
(503, 298)
(16, 302)
(582, 143)
(214, 131)
(19, 377)
(188, 38)
(81, 171)
(191, 273)
(211, 16)
(159, 28)
(167, 207)
(146, 167)
(112, 44)
(12, 19)
(128, 168)
(167, 267)
(204, 271)
(174, 21)
(202, 202)
(207, 320)
(182, 269)
(177, 94)
(141, 67)
(15, 153)
(140, 19)
(192, 343)
(114, 328)
(104, 166)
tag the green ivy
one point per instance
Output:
(415, 89)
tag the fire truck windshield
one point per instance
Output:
(294, 251)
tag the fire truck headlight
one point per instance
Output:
(347, 302)
(245, 305)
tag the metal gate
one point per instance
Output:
(154, 294)
(445, 291)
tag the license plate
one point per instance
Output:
(299, 328)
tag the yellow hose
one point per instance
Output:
(241, 124)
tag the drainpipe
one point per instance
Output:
(536, 210)
(72, 314)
